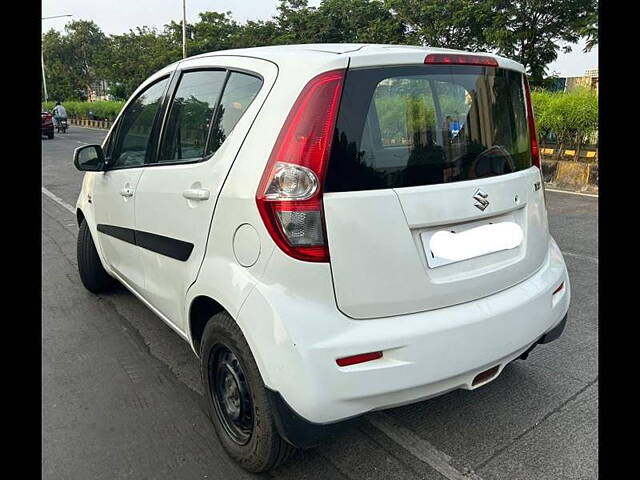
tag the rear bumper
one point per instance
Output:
(424, 354)
(305, 434)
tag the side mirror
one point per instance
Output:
(89, 158)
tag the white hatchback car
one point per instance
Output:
(334, 229)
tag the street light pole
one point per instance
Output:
(44, 77)
(184, 28)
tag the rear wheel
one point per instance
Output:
(50, 135)
(92, 274)
(236, 398)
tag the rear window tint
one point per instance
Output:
(423, 125)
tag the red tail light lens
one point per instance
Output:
(535, 151)
(360, 358)
(458, 59)
(289, 196)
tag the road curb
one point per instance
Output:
(99, 124)
(574, 176)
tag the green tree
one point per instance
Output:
(530, 31)
(357, 21)
(63, 81)
(297, 22)
(134, 56)
(88, 43)
(257, 34)
(590, 30)
(214, 31)
(449, 24)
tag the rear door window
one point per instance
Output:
(190, 114)
(423, 125)
(239, 92)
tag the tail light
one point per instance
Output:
(535, 152)
(289, 196)
(458, 59)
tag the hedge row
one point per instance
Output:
(568, 118)
(100, 110)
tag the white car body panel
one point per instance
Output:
(371, 281)
(296, 335)
(438, 327)
(111, 208)
(237, 200)
(161, 207)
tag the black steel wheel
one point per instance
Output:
(231, 394)
(236, 398)
(92, 273)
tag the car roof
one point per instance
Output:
(360, 54)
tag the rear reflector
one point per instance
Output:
(457, 59)
(486, 375)
(558, 289)
(361, 358)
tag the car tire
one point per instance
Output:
(50, 136)
(227, 365)
(92, 274)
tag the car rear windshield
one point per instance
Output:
(428, 124)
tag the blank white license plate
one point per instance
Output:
(460, 243)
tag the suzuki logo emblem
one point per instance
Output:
(481, 199)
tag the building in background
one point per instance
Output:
(98, 92)
(566, 84)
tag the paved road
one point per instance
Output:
(121, 392)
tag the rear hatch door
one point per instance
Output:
(431, 197)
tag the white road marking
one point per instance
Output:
(419, 447)
(81, 143)
(570, 193)
(579, 255)
(105, 130)
(59, 201)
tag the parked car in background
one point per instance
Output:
(47, 125)
(335, 229)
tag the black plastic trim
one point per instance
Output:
(170, 247)
(121, 233)
(550, 336)
(555, 332)
(298, 431)
(167, 246)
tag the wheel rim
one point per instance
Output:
(231, 394)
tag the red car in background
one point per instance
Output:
(47, 125)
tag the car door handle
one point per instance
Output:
(196, 194)
(127, 192)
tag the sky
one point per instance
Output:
(118, 16)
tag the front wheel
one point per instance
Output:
(50, 135)
(92, 274)
(237, 400)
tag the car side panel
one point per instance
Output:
(221, 276)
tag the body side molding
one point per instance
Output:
(167, 246)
